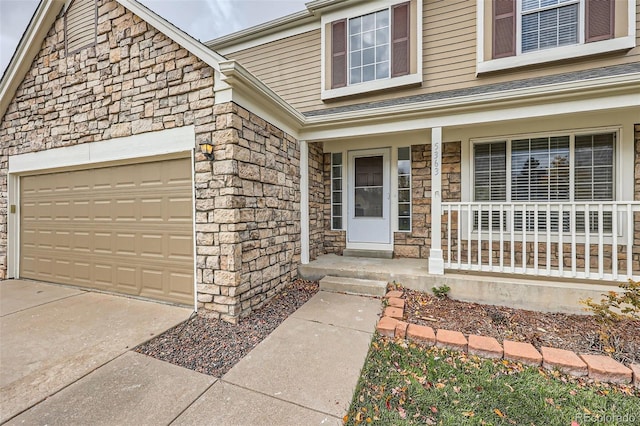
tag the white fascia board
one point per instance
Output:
(29, 46)
(278, 29)
(194, 46)
(171, 141)
(482, 112)
(252, 94)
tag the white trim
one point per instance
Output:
(436, 261)
(557, 54)
(581, 49)
(13, 228)
(371, 86)
(304, 202)
(240, 44)
(180, 139)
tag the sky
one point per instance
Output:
(202, 19)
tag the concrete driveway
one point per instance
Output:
(51, 336)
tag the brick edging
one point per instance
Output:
(598, 367)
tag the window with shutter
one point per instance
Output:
(529, 32)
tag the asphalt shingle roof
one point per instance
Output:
(614, 70)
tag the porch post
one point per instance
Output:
(436, 262)
(304, 202)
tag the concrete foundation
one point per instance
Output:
(516, 292)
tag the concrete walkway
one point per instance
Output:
(305, 372)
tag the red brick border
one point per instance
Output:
(598, 367)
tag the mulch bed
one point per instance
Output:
(212, 346)
(578, 333)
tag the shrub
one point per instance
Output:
(442, 291)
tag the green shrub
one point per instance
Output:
(442, 291)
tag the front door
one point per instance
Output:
(369, 224)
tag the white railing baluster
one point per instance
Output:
(614, 244)
(600, 242)
(512, 228)
(573, 240)
(524, 238)
(490, 237)
(480, 236)
(459, 236)
(535, 239)
(501, 222)
(448, 209)
(560, 240)
(629, 241)
(548, 260)
(587, 240)
(469, 228)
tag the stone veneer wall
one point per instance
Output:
(316, 200)
(247, 214)
(134, 80)
(416, 244)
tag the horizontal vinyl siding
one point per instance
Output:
(290, 67)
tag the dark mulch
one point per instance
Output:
(213, 346)
(578, 333)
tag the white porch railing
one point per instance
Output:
(584, 240)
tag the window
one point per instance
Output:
(549, 23)
(336, 190)
(540, 170)
(371, 46)
(404, 189)
(528, 32)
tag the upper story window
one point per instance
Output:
(516, 33)
(374, 50)
(548, 23)
(369, 49)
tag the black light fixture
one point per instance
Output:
(207, 149)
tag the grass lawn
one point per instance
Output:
(409, 384)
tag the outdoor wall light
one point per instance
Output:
(207, 149)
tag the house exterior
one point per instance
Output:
(479, 136)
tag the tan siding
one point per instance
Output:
(291, 66)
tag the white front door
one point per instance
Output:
(369, 190)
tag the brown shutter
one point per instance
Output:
(599, 16)
(339, 53)
(400, 26)
(504, 28)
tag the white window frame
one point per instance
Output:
(582, 49)
(389, 43)
(572, 133)
(398, 189)
(520, 13)
(342, 191)
(360, 9)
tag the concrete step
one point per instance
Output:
(377, 254)
(354, 286)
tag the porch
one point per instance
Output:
(535, 293)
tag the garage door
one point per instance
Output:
(126, 229)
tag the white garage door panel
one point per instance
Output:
(126, 229)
